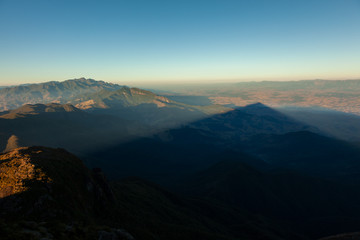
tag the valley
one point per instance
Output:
(340, 95)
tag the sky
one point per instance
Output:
(178, 41)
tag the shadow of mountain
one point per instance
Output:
(251, 120)
(195, 146)
(256, 134)
(76, 131)
(310, 205)
(345, 126)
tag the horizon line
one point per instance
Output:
(185, 82)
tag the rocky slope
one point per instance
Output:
(36, 109)
(60, 92)
(49, 194)
(54, 183)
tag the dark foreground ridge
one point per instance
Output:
(48, 193)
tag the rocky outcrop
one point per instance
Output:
(12, 143)
(48, 193)
(44, 183)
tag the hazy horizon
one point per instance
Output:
(179, 41)
(175, 83)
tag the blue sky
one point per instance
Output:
(172, 41)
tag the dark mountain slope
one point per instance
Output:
(57, 125)
(273, 139)
(309, 205)
(54, 195)
(307, 152)
(187, 149)
(153, 159)
(341, 125)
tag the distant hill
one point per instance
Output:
(123, 97)
(60, 92)
(104, 98)
(35, 109)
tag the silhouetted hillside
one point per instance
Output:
(54, 196)
(310, 205)
(57, 125)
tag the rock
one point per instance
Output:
(13, 143)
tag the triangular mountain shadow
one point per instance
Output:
(251, 120)
(193, 147)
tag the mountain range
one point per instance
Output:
(106, 98)
(59, 92)
(158, 167)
